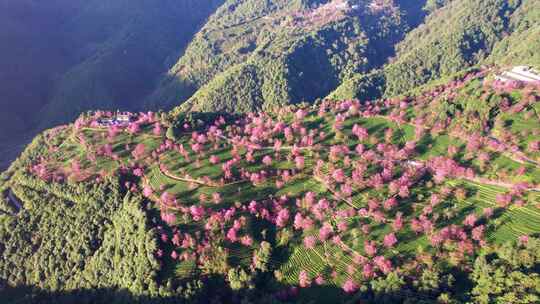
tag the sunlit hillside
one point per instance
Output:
(423, 198)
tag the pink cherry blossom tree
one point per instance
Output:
(390, 240)
(349, 286)
(303, 279)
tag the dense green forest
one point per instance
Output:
(471, 30)
(292, 51)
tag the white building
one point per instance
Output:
(522, 74)
(123, 117)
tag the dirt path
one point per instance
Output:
(13, 201)
(334, 193)
(197, 181)
(184, 179)
(517, 157)
(262, 148)
(502, 184)
(479, 180)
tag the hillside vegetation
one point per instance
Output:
(456, 35)
(119, 51)
(419, 199)
(315, 151)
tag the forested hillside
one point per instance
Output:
(91, 53)
(264, 56)
(521, 41)
(121, 51)
(457, 34)
(31, 54)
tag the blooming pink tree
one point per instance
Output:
(139, 172)
(470, 220)
(390, 240)
(368, 271)
(383, 264)
(370, 248)
(299, 162)
(523, 240)
(246, 241)
(197, 212)
(134, 128)
(319, 280)
(158, 130)
(232, 235)
(167, 198)
(303, 279)
(360, 133)
(350, 286)
(390, 203)
(214, 160)
(112, 131)
(398, 222)
(338, 175)
(310, 241)
(139, 151)
(216, 198)
(267, 160)
(147, 191)
(168, 218)
(534, 146)
(325, 231)
(282, 217)
(478, 233)
(503, 200)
